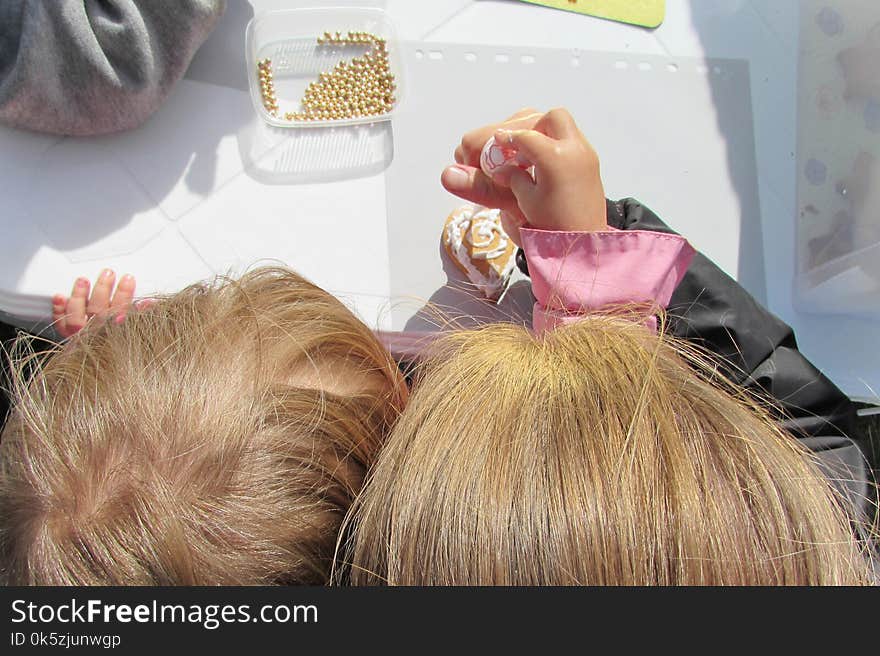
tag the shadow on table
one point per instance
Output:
(743, 171)
(276, 155)
(100, 197)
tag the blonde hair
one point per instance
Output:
(590, 455)
(217, 438)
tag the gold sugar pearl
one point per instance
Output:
(363, 86)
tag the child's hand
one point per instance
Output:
(70, 315)
(566, 192)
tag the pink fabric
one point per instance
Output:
(406, 345)
(574, 273)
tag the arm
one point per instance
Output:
(83, 67)
(577, 272)
(755, 349)
(574, 273)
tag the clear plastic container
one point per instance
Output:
(838, 218)
(290, 39)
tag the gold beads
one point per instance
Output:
(362, 87)
(267, 86)
(352, 38)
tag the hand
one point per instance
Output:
(566, 192)
(70, 315)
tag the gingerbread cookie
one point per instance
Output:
(478, 245)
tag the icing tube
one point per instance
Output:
(495, 156)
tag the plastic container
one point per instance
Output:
(838, 183)
(290, 39)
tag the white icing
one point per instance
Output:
(487, 224)
(486, 230)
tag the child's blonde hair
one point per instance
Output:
(590, 455)
(217, 438)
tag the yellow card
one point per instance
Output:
(647, 13)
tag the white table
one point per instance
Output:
(160, 208)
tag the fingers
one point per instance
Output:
(523, 114)
(140, 305)
(76, 317)
(558, 123)
(468, 152)
(59, 314)
(124, 295)
(70, 315)
(99, 301)
(523, 186)
(471, 184)
(59, 306)
(537, 148)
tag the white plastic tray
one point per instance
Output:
(290, 39)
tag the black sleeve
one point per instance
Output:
(757, 350)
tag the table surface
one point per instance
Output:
(150, 241)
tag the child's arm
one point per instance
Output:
(756, 349)
(586, 267)
(575, 273)
(557, 213)
(566, 190)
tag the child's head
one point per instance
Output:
(590, 455)
(217, 438)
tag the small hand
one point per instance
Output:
(70, 315)
(465, 179)
(566, 192)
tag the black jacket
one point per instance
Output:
(757, 350)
